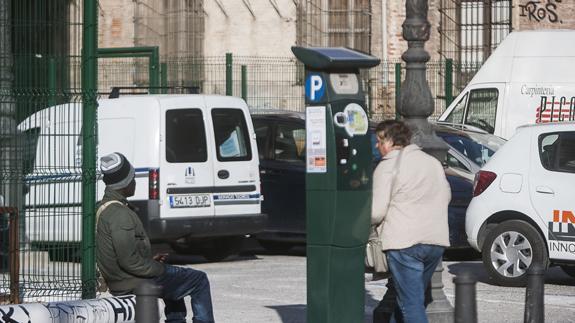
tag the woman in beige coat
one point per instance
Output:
(413, 214)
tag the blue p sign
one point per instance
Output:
(314, 87)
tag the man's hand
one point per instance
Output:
(161, 257)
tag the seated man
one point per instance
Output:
(124, 255)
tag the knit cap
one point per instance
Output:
(117, 171)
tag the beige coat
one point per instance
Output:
(418, 209)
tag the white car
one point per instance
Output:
(523, 209)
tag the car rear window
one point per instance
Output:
(231, 132)
(557, 151)
(185, 136)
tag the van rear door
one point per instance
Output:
(237, 185)
(186, 173)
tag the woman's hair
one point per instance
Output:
(396, 131)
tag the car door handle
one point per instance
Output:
(544, 190)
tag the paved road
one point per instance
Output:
(262, 287)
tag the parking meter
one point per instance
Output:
(338, 182)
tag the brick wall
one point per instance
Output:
(545, 14)
(395, 17)
(116, 23)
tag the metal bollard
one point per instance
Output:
(534, 295)
(147, 302)
(465, 299)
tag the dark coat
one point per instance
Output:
(123, 250)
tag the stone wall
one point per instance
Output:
(116, 23)
(255, 30)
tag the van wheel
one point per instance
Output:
(223, 248)
(509, 251)
(569, 270)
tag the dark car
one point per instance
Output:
(281, 144)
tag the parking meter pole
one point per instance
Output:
(338, 183)
(415, 107)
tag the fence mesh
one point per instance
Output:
(40, 67)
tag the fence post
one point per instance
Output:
(448, 81)
(13, 252)
(229, 74)
(245, 83)
(164, 76)
(465, 298)
(89, 105)
(154, 69)
(147, 302)
(52, 81)
(534, 295)
(397, 90)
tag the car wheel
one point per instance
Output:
(275, 246)
(509, 251)
(569, 270)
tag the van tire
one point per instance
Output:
(222, 248)
(527, 248)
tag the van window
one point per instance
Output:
(481, 109)
(557, 151)
(290, 143)
(185, 136)
(456, 115)
(231, 134)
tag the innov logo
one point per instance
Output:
(562, 226)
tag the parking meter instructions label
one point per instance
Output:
(316, 140)
(353, 119)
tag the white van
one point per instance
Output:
(528, 79)
(196, 164)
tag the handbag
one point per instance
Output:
(375, 257)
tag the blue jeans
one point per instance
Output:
(179, 282)
(411, 270)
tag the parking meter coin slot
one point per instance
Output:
(342, 149)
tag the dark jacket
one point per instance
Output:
(123, 250)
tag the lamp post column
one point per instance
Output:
(416, 105)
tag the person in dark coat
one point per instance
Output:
(123, 250)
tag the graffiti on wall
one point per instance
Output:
(113, 310)
(541, 11)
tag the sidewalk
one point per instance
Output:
(263, 287)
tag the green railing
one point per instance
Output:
(277, 82)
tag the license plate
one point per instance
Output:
(196, 200)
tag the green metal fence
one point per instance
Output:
(42, 153)
(277, 82)
(47, 157)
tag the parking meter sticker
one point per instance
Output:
(314, 87)
(316, 140)
(353, 119)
